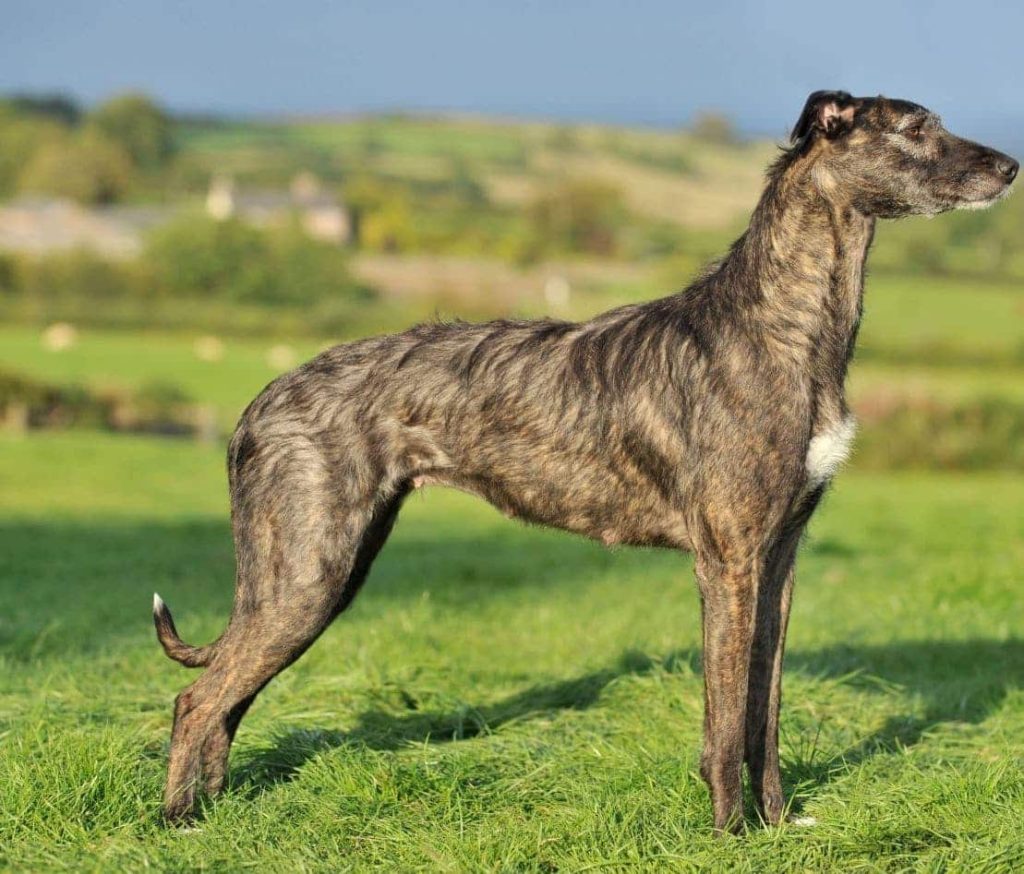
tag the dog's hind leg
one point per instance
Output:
(304, 576)
(222, 733)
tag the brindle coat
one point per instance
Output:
(708, 421)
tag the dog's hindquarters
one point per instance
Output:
(304, 545)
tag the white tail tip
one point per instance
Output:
(158, 603)
(804, 821)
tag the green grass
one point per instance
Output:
(951, 383)
(332, 146)
(117, 360)
(503, 698)
(927, 318)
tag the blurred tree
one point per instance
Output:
(197, 256)
(87, 167)
(139, 126)
(388, 228)
(8, 273)
(381, 214)
(228, 260)
(22, 136)
(307, 270)
(464, 186)
(75, 275)
(581, 215)
(55, 107)
(563, 138)
(714, 127)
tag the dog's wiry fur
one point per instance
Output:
(708, 421)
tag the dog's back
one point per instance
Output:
(572, 425)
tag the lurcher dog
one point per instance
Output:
(709, 421)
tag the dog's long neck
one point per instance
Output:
(797, 275)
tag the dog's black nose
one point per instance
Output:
(1007, 168)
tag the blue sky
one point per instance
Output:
(653, 62)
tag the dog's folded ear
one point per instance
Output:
(827, 112)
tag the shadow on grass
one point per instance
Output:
(956, 681)
(381, 729)
(74, 587)
(959, 681)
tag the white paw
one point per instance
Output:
(803, 821)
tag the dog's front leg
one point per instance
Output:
(765, 681)
(729, 600)
(764, 698)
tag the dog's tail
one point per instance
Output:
(174, 646)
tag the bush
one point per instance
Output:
(87, 167)
(899, 433)
(232, 261)
(156, 408)
(579, 216)
(976, 244)
(714, 127)
(381, 214)
(50, 406)
(76, 275)
(195, 273)
(308, 271)
(197, 256)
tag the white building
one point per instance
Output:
(322, 216)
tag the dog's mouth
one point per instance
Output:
(986, 202)
(986, 199)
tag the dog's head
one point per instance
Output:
(894, 157)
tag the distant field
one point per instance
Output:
(663, 174)
(943, 383)
(932, 316)
(921, 337)
(503, 698)
(108, 359)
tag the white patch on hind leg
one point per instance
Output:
(828, 450)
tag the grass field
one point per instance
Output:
(503, 698)
(669, 175)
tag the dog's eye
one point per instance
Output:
(914, 131)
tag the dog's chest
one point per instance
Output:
(827, 451)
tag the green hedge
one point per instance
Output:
(983, 434)
(193, 273)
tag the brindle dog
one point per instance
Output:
(711, 421)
